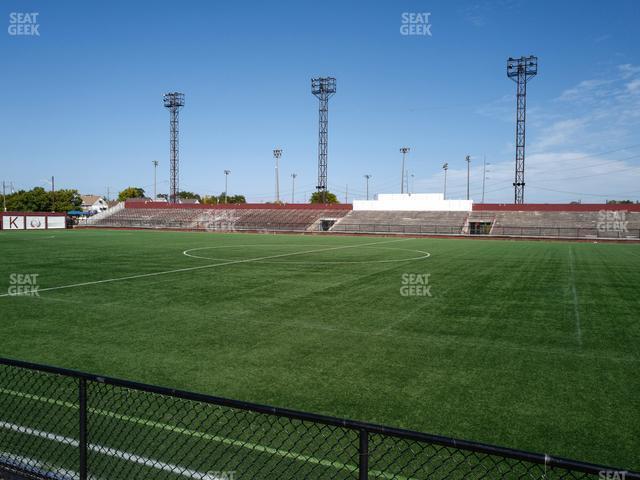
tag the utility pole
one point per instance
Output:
(277, 153)
(484, 174)
(293, 187)
(4, 198)
(367, 176)
(155, 185)
(346, 194)
(468, 160)
(404, 151)
(413, 183)
(445, 167)
(226, 176)
(53, 194)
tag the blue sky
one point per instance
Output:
(84, 99)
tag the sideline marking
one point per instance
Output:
(200, 267)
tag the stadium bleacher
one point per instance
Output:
(557, 221)
(283, 218)
(402, 222)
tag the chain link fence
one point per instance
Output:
(60, 425)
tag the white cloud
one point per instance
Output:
(634, 86)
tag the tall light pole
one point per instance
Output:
(174, 101)
(445, 167)
(521, 70)
(323, 88)
(293, 187)
(404, 151)
(413, 183)
(4, 198)
(468, 160)
(226, 177)
(155, 171)
(484, 174)
(277, 153)
(367, 176)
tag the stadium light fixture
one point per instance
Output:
(367, 176)
(445, 167)
(468, 160)
(226, 177)
(155, 176)
(293, 187)
(404, 151)
(277, 153)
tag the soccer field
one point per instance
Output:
(530, 345)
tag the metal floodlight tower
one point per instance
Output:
(174, 101)
(323, 88)
(521, 70)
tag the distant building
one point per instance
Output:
(94, 203)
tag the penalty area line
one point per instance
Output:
(199, 267)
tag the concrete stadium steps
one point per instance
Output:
(402, 222)
(569, 224)
(219, 219)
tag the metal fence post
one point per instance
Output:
(363, 451)
(82, 443)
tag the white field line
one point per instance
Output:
(209, 437)
(111, 452)
(422, 256)
(19, 461)
(576, 311)
(201, 267)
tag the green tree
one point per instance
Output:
(209, 200)
(223, 198)
(40, 200)
(130, 192)
(189, 195)
(316, 197)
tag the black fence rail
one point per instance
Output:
(62, 424)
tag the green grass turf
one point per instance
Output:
(529, 345)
